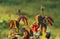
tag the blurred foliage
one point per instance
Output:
(29, 8)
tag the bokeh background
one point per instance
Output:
(29, 8)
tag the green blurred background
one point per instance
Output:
(29, 8)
